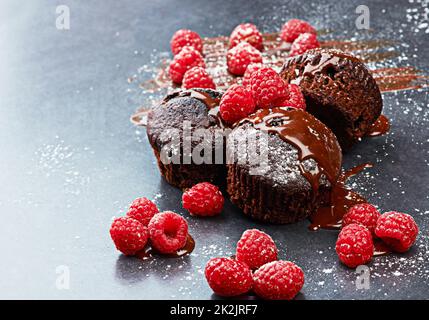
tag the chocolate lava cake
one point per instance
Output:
(304, 161)
(197, 108)
(339, 90)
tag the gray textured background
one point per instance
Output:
(71, 160)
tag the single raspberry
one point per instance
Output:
(296, 98)
(228, 277)
(236, 103)
(186, 59)
(354, 245)
(197, 77)
(278, 280)
(239, 57)
(183, 38)
(129, 235)
(398, 230)
(247, 32)
(168, 232)
(304, 42)
(256, 248)
(249, 71)
(203, 199)
(364, 214)
(142, 209)
(268, 88)
(294, 27)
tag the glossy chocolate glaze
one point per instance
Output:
(380, 127)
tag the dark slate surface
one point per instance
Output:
(71, 160)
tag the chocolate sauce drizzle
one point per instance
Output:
(380, 127)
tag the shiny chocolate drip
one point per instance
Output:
(379, 127)
(149, 251)
(310, 137)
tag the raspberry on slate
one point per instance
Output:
(236, 103)
(303, 43)
(256, 248)
(364, 214)
(296, 98)
(294, 27)
(183, 38)
(268, 88)
(247, 32)
(354, 245)
(186, 59)
(228, 277)
(397, 229)
(240, 56)
(168, 232)
(129, 235)
(278, 280)
(197, 77)
(249, 71)
(203, 199)
(142, 209)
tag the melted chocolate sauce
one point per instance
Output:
(380, 248)
(149, 252)
(379, 127)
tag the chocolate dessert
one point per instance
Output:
(339, 90)
(303, 163)
(184, 156)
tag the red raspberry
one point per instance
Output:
(183, 38)
(249, 71)
(294, 27)
(197, 77)
(364, 214)
(304, 42)
(168, 232)
(398, 230)
(256, 248)
(186, 59)
(354, 245)
(268, 88)
(278, 280)
(142, 209)
(236, 103)
(296, 98)
(247, 32)
(129, 235)
(239, 57)
(228, 277)
(203, 199)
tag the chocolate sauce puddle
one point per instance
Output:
(380, 248)
(341, 200)
(148, 252)
(379, 127)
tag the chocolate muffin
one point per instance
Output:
(339, 90)
(299, 161)
(182, 131)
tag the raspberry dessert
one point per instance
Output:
(251, 68)
(185, 37)
(197, 77)
(303, 43)
(240, 56)
(247, 32)
(142, 209)
(268, 88)
(204, 199)
(290, 175)
(186, 59)
(165, 122)
(168, 232)
(397, 229)
(228, 277)
(256, 248)
(295, 27)
(338, 89)
(354, 245)
(236, 103)
(128, 235)
(364, 214)
(278, 280)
